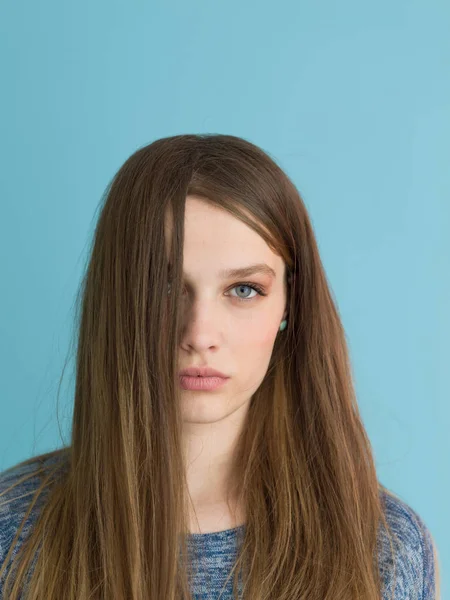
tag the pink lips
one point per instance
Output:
(202, 372)
(202, 384)
(201, 378)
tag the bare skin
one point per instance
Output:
(231, 335)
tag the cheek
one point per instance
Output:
(252, 351)
(257, 338)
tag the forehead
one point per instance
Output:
(213, 235)
(207, 223)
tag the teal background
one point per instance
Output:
(351, 98)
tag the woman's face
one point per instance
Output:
(227, 325)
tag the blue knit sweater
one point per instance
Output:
(216, 551)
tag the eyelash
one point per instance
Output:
(254, 286)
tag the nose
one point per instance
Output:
(202, 326)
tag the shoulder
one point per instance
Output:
(413, 552)
(18, 485)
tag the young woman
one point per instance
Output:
(217, 449)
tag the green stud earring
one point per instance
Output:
(283, 325)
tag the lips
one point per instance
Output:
(202, 372)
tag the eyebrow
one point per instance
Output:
(253, 269)
(248, 271)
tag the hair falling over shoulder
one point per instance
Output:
(114, 524)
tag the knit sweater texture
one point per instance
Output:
(215, 552)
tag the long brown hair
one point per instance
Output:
(114, 524)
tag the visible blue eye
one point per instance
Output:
(256, 288)
(253, 286)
